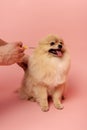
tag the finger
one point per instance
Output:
(24, 59)
(20, 44)
(20, 50)
(21, 55)
(2, 42)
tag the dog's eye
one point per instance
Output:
(52, 43)
(61, 42)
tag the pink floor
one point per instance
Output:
(29, 21)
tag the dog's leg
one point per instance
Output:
(41, 97)
(64, 91)
(57, 96)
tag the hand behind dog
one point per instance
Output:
(11, 53)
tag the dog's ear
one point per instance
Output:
(24, 62)
(2, 42)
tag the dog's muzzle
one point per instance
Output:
(58, 52)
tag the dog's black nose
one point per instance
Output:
(60, 46)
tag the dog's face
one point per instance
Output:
(53, 46)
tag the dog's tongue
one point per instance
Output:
(59, 53)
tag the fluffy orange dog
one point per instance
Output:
(46, 74)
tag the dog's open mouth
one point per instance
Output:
(57, 52)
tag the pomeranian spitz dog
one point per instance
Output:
(46, 72)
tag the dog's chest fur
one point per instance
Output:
(51, 71)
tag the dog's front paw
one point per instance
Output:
(45, 108)
(44, 105)
(59, 106)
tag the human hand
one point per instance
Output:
(12, 53)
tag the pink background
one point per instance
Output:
(29, 21)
